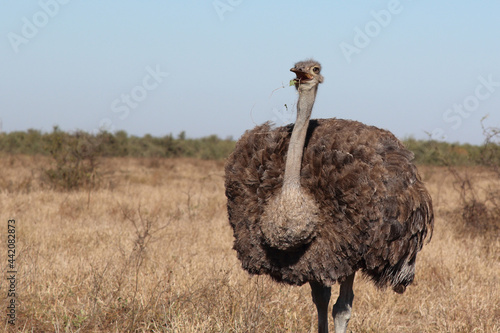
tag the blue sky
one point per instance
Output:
(221, 67)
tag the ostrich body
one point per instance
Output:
(318, 200)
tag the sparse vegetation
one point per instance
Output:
(152, 251)
(119, 144)
(479, 193)
(75, 160)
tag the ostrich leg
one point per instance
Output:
(342, 308)
(321, 298)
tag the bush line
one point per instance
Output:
(121, 144)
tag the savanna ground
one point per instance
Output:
(150, 250)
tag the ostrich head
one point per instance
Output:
(308, 74)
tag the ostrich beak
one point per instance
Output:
(301, 76)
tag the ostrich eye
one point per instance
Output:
(316, 70)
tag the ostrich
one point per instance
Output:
(320, 199)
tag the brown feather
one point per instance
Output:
(375, 212)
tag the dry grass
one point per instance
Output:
(151, 251)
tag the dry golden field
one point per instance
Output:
(150, 250)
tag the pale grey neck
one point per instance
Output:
(297, 141)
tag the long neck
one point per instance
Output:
(297, 141)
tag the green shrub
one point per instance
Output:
(75, 160)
